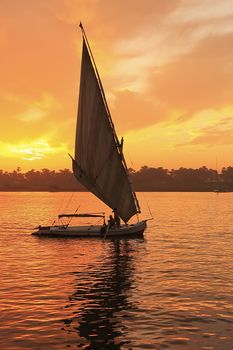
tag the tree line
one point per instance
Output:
(145, 179)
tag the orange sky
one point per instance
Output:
(166, 66)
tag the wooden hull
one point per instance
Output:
(92, 231)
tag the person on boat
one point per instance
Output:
(116, 217)
(111, 222)
(103, 228)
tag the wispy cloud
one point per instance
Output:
(210, 128)
(33, 150)
(38, 110)
(212, 137)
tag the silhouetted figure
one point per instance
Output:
(103, 228)
(111, 222)
(116, 217)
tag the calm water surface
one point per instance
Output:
(171, 290)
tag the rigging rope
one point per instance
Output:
(143, 193)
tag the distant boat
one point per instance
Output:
(99, 163)
(220, 186)
(216, 190)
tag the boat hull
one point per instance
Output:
(92, 231)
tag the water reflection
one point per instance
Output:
(101, 292)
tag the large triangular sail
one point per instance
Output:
(99, 163)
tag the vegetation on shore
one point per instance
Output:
(145, 179)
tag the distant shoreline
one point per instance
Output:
(144, 180)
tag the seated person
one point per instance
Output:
(116, 217)
(103, 228)
(111, 222)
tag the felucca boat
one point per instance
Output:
(99, 163)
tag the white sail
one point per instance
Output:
(99, 163)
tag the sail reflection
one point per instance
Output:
(100, 300)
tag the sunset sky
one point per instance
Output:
(166, 66)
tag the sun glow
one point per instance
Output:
(31, 151)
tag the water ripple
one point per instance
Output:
(171, 290)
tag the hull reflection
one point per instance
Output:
(101, 299)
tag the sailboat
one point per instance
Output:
(99, 164)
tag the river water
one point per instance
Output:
(171, 290)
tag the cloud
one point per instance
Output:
(199, 80)
(132, 110)
(38, 110)
(209, 128)
(112, 18)
(204, 11)
(32, 150)
(178, 91)
(164, 37)
(26, 113)
(212, 137)
(165, 56)
(32, 114)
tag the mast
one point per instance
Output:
(117, 143)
